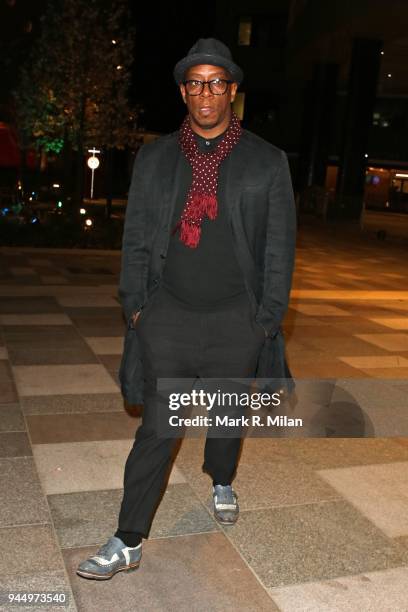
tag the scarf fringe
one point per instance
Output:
(209, 204)
(190, 234)
(202, 204)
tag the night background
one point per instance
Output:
(326, 82)
(323, 521)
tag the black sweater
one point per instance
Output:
(208, 275)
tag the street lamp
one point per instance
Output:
(93, 164)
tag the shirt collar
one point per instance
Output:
(208, 144)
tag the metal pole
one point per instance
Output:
(92, 183)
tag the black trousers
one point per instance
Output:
(178, 342)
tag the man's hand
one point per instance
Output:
(264, 330)
(134, 317)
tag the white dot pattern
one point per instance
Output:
(202, 196)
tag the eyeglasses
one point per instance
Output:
(218, 87)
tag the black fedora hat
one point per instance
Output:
(208, 51)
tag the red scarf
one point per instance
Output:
(202, 196)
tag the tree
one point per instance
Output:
(73, 89)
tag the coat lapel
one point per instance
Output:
(234, 175)
(170, 178)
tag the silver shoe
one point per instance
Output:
(112, 557)
(226, 509)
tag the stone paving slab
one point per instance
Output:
(379, 491)
(74, 355)
(36, 305)
(106, 346)
(8, 389)
(325, 453)
(28, 550)
(63, 379)
(57, 428)
(15, 444)
(370, 592)
(11, 418)
(77, 403)
(29, 319)
(85, 466)
(21, 497)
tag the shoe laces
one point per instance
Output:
(105, 549)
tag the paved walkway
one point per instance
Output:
(324, 522)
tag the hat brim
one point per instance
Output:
(203, 58)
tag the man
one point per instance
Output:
(208, 253)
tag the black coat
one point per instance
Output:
(261, 204)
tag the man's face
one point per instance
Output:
(209, 112)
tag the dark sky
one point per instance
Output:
(164, 35)
(16, 19)
(165, 32)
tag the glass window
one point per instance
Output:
(244, 31)
(239, 104)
